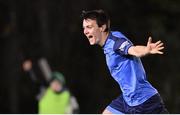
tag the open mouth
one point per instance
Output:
(90, 36)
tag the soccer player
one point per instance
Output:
(123, 61)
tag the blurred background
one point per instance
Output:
(52, 29)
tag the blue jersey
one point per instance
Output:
(127, 70)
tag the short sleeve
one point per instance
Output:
(122, 45)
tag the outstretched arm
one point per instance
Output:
(150, 48)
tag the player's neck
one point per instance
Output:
(104, 37)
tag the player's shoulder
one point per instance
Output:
(118, 34)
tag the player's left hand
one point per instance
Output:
(154, 48)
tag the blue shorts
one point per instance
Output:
(153, 105)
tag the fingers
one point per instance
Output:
(159, 52)
(156, 52)
(149, 40)
(155, 47)
(160, 48)
(158, 43)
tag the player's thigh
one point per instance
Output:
(106, 112)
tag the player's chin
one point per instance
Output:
(92, 43)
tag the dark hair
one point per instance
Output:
(99, 15)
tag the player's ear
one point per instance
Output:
(103, 28)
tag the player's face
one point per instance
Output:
(92, 31)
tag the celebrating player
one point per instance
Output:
(123, 60)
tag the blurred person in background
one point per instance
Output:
(54, 98)
(57, 99)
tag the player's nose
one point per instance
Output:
(86, 31)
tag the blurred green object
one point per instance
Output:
(53, 103)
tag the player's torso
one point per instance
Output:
(129, 73)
